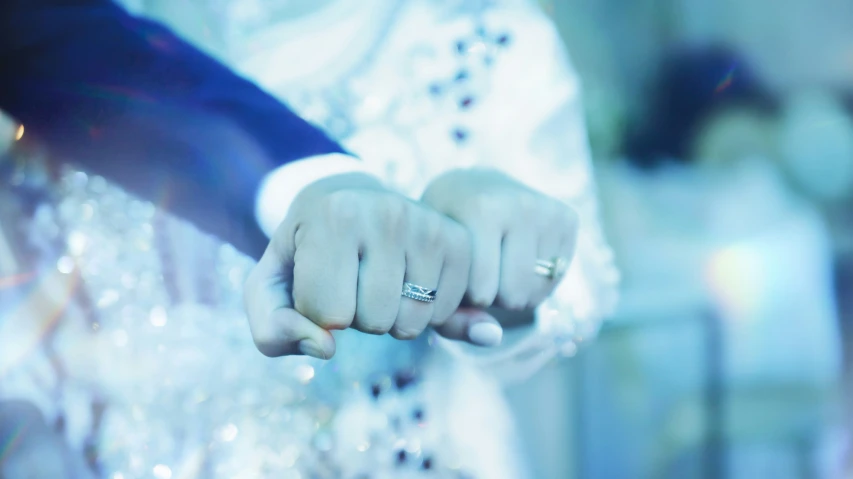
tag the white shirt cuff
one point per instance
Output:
(280, 187)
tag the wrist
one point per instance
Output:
(281, 186)
(344, 181)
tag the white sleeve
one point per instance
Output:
(280, 187)
(538, 135)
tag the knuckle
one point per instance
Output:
(327, 317)
(485, 204)
(332, 320)
(404, 334)
(439, 317)
(377, 323)
(340, 207)
(512, 301)
(460, 237)
(310, 301)
(432, 232)
(459, 260)
(481, 297)
(392, 215)
(529, 204)
(374, 329)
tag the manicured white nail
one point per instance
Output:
(485, 334)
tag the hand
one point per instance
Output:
(345, 250)
(512, 226)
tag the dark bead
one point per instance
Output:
(462, 75)
(460, 135)
(418, 414)
(375, 390)
(401, 456)
(427, 464)
(503, 40)
(466, 102)
(461, 47)
(404, 379)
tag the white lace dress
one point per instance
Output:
(147, 363)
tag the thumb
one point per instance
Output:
(474, 326)
(277, 328)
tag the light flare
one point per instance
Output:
(726, 81)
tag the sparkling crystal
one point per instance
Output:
(65, 265)
(77, 242)
(108, 298)
(120, 338)
(162, 471)
(158, 317)
(228, 433)
(304, 372)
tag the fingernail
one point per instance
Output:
(485, 334)
(310, 348)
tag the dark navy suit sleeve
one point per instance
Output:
(126, 98)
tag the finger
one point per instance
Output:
(484, 279)
(517, 277)
(325, 279)
(285, 332)
(550, 249)
(557, 245)
(454, 276)
(474, 326)
(380, 276)
(277, 329)
(424, 262)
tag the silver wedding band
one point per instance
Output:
(551, 269)
(418, 293)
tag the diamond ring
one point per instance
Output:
(551, 269)
(418, 293)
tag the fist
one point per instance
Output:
(342, 258)
(515, 230)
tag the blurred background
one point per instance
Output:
(723, 139)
